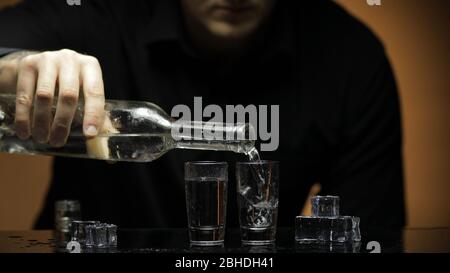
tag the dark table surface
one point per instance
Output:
(176, 241)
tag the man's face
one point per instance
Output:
(233, 19)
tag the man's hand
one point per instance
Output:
(38, 77)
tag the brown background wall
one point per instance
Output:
(415, 33)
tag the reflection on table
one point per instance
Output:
(176, 241)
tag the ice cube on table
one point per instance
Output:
(341, 229)
(310, 229)
(89, 241)
(355, 229)
(79, 230)
(112, 235)
(100, 237)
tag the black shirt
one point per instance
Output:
(339, 109)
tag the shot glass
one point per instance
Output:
(206, 201)
(257, 189)
(66, 211)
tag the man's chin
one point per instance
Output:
(228, 31)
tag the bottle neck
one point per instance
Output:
(216, 136)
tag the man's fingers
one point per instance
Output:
(26, 84)
(94, 97)
(69, 85)
(45, 90)
(37, 79)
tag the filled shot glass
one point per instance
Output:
(206, 201)
(257, 189)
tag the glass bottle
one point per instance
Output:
(133, 131)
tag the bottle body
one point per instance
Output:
(132, 131)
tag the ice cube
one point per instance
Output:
(262, 214)
(355, 229)
(89, 241)
(78, 231)
(341, 230)
(100, 235)
(312, 229)
(112, 235)
(325, 206)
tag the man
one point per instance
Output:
(339, 110)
